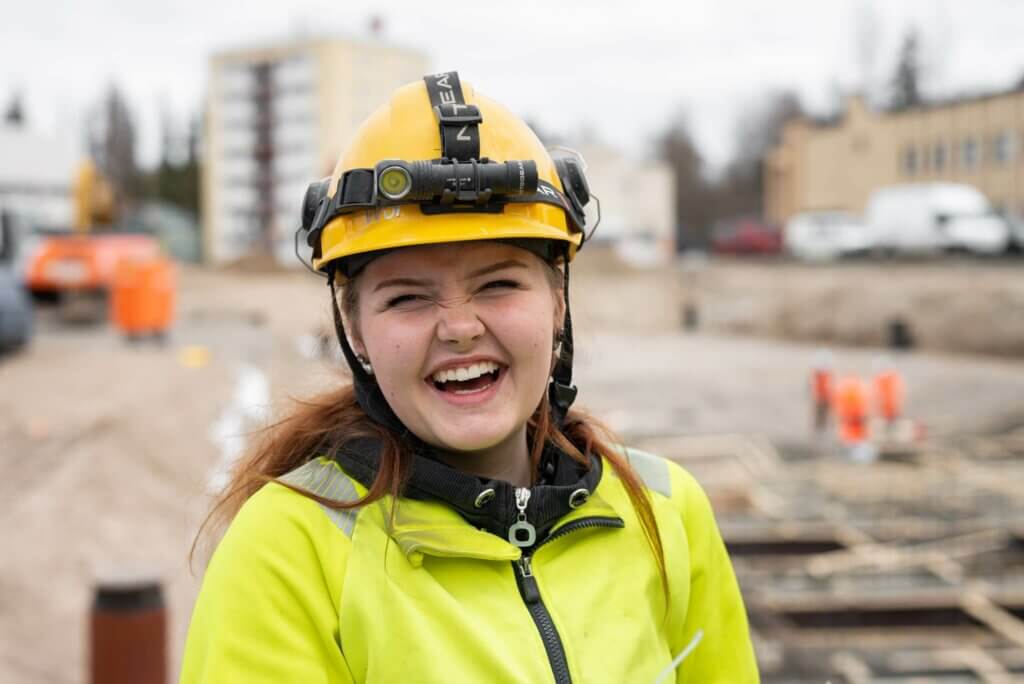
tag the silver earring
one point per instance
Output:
(365, 363)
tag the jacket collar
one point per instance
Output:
(465, 494)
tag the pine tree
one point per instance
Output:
(905, 85)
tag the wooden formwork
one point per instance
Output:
(908, 569)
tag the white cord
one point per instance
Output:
(681, 657)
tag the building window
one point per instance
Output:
(939, 156)
(1003, 147)
(910, 160)
(969, 153)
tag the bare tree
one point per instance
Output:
(14, 112)
(694, 195)
(757, 131)
(112, 141)
(867, 36)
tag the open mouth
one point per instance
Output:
(476, 378)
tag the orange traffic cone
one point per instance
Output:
(851, 407)
(889, 393)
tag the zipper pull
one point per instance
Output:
(528, 585)
(522, 533)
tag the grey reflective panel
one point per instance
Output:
(324, 479)
(653, 470)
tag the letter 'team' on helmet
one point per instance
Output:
(407, 128)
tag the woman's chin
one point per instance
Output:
(474, 434)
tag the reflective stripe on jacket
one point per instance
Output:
(297, 592)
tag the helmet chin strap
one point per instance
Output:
(561, 391)
(368, 393)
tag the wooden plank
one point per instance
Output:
(988, 669)
(985, 610)
(852, 668)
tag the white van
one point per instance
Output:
(826, 235)
(928, 217)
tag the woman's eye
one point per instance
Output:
(501, 285)
(405, 299)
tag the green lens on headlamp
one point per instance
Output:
(394, 182)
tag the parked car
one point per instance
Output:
(745, 235)
(826, 235)
(15, 305)
(1016, 223)
(930, 217)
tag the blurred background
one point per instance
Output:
(806, 287)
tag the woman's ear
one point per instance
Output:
(357, 344)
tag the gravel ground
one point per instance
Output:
(107, 448)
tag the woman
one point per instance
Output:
(448, 518)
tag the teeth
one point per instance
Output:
(465, 372)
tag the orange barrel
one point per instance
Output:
(143, 296)
(160, 290)
(851, 408)
(128, 634)
(889, 395)
(127, 292)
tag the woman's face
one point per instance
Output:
(460, 339)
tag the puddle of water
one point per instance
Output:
(248, 409)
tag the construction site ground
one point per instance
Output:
(108, 448)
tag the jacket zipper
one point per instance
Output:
(530, 593)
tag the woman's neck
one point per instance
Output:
(508, 460)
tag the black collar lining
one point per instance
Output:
(432, 480)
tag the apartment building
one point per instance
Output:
(277, 117)
(838, 164)
(637, 200)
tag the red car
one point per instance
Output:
(745, 235)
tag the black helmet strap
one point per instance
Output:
(459, 122)
(368, 393)
(561, 391)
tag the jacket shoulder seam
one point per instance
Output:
(325, 478)
(653, 470)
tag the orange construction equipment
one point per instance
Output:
(76, 263)
(77, 267)
(889, 393)
(142, 297)
(851, 407)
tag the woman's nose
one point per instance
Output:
(459, 324)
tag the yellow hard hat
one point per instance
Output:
(442, 163)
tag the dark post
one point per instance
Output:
(128, 634)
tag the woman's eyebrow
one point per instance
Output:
(401, 282)
(508, 263)
(414, 282)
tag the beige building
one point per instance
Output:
(277, 118)
(637, 201)
(837, 165)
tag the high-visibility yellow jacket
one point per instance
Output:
(297, 592)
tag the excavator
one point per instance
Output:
(76, 269)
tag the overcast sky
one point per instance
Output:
(624, 69)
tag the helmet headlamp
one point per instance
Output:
(394, 182)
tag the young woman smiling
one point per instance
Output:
(448, 516)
